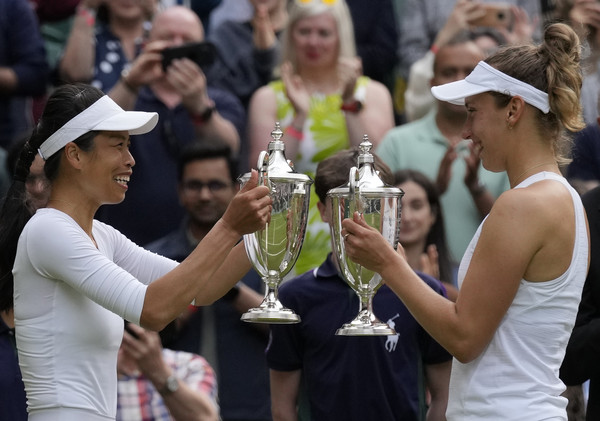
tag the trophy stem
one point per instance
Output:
(271, 310)
(365, 323)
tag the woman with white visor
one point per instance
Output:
(522, 275)
(76, 279)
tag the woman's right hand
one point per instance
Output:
(250, 209)
(366, 246)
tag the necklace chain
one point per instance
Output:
(531, 168)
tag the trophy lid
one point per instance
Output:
(273, 163)
(364, 179)
(277, 166)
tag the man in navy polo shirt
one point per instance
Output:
(352, 378)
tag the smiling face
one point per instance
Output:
(485, 124)
(107, 168)
(417, 215)
(316, 41)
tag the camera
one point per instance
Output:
(497, 15)
(201, 53)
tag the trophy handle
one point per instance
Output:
(352, 185)
(262, 164)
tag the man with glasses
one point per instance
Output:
(206, 184)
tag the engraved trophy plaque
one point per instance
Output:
(274, 250)
(380, 206)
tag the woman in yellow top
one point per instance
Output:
(322, 101)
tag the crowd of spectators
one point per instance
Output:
(330, 71)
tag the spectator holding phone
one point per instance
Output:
(421, 21)
(156, 384)
(188, 108)
(490, 26)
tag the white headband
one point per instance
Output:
(485, 78)
(102, 115)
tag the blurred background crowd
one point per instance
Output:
(330, 72)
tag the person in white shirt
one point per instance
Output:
(75, 278)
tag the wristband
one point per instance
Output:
(294, 132)
(205, 116)
(352, 107)
(88, 14)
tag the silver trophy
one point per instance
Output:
(380, 206)
(274, 250)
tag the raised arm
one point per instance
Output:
(195, 277)
(515, 243)
(376, 116)
(79, 56)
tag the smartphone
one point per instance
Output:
(130, 330)
(202, 53)
(497, 15)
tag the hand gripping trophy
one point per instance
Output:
(380, 206)
(274, 250)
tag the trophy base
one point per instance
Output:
(375, 329)
(270, 315)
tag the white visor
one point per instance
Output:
(102, 115)
(485, 78)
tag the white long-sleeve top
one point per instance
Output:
(70, 301)
(516, 376)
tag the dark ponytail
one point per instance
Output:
(65, 103)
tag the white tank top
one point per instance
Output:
(516, 376)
